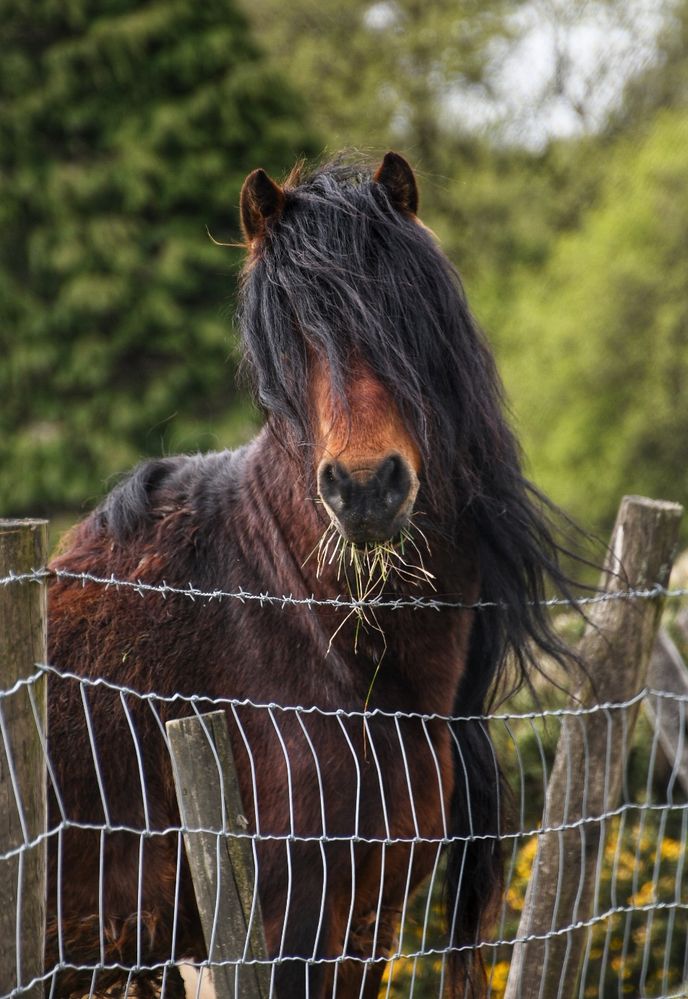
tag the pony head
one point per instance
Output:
(363, 352)
(365, 455)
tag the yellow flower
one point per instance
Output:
(645, 896)
(526, 856)
(498, 978)
(671, 849)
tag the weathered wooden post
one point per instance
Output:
(586, 776)
(23, 795)
(221, 865)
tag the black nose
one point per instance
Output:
(370, 505)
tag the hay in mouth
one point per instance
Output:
(365, 571)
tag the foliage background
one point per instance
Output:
(126, 130)
(550, 140)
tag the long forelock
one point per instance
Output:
(345, 275)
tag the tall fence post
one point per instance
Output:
(222, 865)
(586, 775)
(23, 794)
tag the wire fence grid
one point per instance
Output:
(636, 937)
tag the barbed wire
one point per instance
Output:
(342, 603)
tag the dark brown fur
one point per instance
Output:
(216, 521)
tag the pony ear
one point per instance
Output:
(261, 201)
(398, 179)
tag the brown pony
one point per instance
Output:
(385, 470)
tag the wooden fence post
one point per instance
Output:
(588, 767)
(23, 787)
(222, 866)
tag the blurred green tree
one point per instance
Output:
(125, 130)
(596, 351)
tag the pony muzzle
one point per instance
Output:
(368, 503)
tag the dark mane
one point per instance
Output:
(385, 292)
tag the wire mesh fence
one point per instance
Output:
(636, 940)
(109, 855)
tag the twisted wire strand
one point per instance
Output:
(289, 600)
(245, 702)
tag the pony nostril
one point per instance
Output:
(394, 481)
(334, 485)
(333, 475)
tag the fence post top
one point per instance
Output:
(661, 506)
